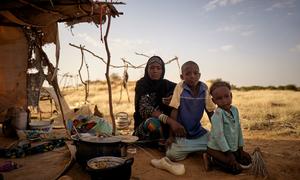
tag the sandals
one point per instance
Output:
(166, 164)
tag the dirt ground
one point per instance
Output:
(281, 155)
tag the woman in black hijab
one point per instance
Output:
(152, 95)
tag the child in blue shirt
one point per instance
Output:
(225, 143)
(190, 100)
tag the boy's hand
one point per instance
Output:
(169, 141)
(232, 161)
(246, 158)
(176, 128)
(245, 155)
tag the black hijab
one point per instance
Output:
(147, 84)
(161, 88)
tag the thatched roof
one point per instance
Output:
(45, 14)
(41, 13)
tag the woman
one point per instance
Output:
(152, 96)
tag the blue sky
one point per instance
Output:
(245, 42)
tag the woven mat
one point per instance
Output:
(47, 165)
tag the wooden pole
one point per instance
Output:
(107, 76)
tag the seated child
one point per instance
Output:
(189, 101)
(225, 143)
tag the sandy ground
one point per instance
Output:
(281, 155)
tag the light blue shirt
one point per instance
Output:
(226, 133)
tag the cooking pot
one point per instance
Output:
(88, 147)
(109, 167)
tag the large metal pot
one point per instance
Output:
(109, 167)
(88, 147)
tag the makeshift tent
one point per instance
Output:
(25, 26)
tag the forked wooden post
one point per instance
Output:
(111, 111)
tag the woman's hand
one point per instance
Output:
(166, 100)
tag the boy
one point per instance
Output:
(189, 101)
(225, 144)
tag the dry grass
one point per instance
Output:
(272, 111)
(98, 95)
(277, 111)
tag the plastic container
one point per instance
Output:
(45, 126)
(122, 120)
(19, 119)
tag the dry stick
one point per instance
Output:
(133, 66)
(63, 77)
(141, 54)
(107, 77)
(114, 66)
(54, 84)
(88, 80)
(126, 88)
(63, 3)
(124, 82)
(123, 59)
(95, 56)
(85, 84)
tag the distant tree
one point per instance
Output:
(114, 77)
(214, 80)
(291, 87)
(271, 87)
(234, 87)
(281, 87)
(209, 82)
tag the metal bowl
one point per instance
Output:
(109, 167)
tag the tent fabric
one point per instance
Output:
(51, 92)
(17, 17)
(13, 67)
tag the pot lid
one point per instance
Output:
(96, 139)
(127, 138)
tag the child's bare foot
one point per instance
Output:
(207, 162)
